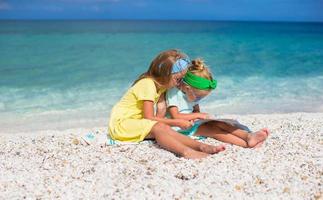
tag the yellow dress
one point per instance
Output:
(127, 122)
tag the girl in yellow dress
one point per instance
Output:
(133, 120)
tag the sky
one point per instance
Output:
(254, 10)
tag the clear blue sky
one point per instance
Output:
(269, 10)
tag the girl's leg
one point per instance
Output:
(252, 140)
(165, 140)
(186, 147)
(230, 128)
(231, 134)
(211, 130)
(199, 146)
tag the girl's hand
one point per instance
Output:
(203, 116)
(184, 124)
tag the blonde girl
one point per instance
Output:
(183, 103)
(132, 118)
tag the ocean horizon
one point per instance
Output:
(60, 74)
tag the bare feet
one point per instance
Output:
(210, 149)
(266, 130)
(258, 145)
(257, 138)
(192, 154)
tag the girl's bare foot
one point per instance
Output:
(266, 130)
(257, 138)
(210, 149)
(258, 145)
(192, 154)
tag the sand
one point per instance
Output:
(52, 165)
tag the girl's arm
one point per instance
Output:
(161, 106)
(173, 110)
(149, 114)
(196, 109)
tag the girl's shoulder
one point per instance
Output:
(144, 85)
(144, 81)
(174, 91)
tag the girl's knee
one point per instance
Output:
(159, 127)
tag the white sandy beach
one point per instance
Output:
(49, 165)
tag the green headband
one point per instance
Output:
(199, 82)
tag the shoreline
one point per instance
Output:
(90, 127)
(47, 164)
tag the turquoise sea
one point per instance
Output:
(69, 74)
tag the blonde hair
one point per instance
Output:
(199, 68)
(160, 69)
